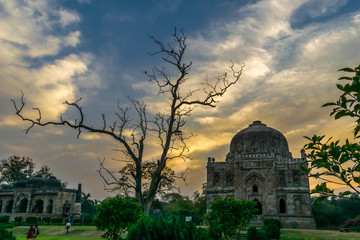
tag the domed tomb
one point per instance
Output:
(259, 138)
(260, 168)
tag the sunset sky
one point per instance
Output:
(98, 50)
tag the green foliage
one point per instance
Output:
(228, 216)
(330, 213)
(4, 219)
(18, 219)
(271, 230)
(6, 235)
(88, 206)
(268, 221)
(47, 220)
(56, 220)
(329, 160)
(255, 234)
(116, 215)
(32, 220)
(15, 168)
(148, 228)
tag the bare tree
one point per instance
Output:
(148, 177)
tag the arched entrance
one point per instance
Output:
(23, 206)
(50, 206)
(39, 206)
(258, 206)
(9, 206)
(282, 205)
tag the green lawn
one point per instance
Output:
(59, 233)
(89, 232)
(305, 234)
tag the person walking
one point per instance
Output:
(68, 224)
(36, 231)
(30, 233)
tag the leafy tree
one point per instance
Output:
(45, 172)
(228, 216)
(88, 207)
(116, 215)
(15, 168)
(329, 160)
(167, 126)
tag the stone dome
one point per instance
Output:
(38, 182)
(258, 138)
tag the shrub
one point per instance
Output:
(251, 233)
(32, 220)
(271, 220)
(255, 234)
(6, 235)
(116, 215)
(148, 228)
(18, 219)
(77, 221)
(4, 219)
(47, 220)
(56, 220)
(271, 230)
(228, 216)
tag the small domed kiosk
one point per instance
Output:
(260, 168)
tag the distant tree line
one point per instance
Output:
(331, 213)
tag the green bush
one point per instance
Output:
(255, 234)
(47, 220)
(56, 220)
(147, 228)
(32, 220)
(77, 221)
(6, 235)
(4, 219)
(271, 220)
(18, 219)
(272, 230)
(251, 233)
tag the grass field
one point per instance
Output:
(89, 232)
(305, 234)
(59, 233)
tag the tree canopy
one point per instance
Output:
(15, 168)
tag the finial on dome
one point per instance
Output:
(257, 123)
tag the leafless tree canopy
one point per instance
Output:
(142, 176)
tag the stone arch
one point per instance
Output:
(252, 174)
(216, 179)
(22, 208)
(229, 180)
(50, 206)
(66, 208)
(254, 184)
(282, 205)
(258, 206)
(255, 189)
(39, 206)
(9, 206)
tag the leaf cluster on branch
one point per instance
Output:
(329, 160)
